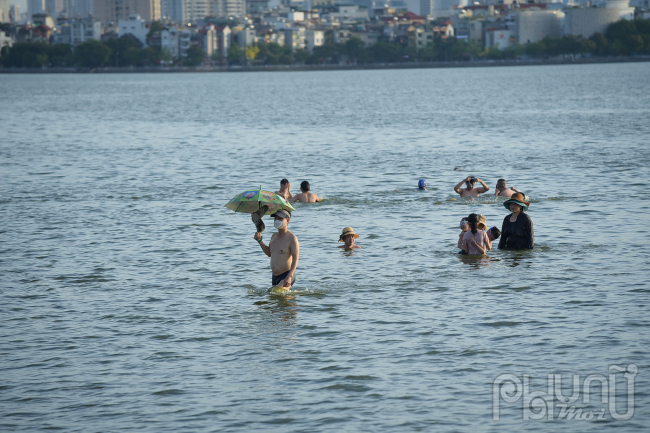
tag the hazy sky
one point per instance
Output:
(22, 4)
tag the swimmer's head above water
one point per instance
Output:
(422, 184)
(348, 236)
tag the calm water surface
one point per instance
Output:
(131, 299)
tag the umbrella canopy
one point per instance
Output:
(250, 201)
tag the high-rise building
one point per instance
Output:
(5, 8)
(228, 8)
(15, 14)
(173, 10)
(194, 10)
(111, 11)
(35, 7)
(80, 8)
(54, 7)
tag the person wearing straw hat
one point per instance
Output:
(283, 249)
(517, 230)
(348, 236)
(493, 233)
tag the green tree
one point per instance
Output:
(60, 54)
(195, 55)
(633, 44)
(92, 54)
(27, 55)
(132, 57)
(119, 46)
(600, 41)
(235, 53)
(620, 30)
(356, 50)
(301, 56)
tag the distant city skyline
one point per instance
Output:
(413, 5)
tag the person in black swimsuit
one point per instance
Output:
(517, 230)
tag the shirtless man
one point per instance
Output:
(470, 191)
(305, 196)
(503, 190)
(285, 190)
(283, 249)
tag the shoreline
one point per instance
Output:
(291, 68)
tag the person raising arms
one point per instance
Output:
(285, 190)
(470, 191)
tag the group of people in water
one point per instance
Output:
(475, 238)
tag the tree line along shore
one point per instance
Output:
(622, 41)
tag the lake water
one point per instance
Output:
(131, 299)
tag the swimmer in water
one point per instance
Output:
(492, 233)
(285, 190)
(502, 189)
(348, 236)
(305, 196)
(283, 249)
(470, 191)
(463, 227)
(422, 185)
(474, 240)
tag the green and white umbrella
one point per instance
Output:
(251, 201)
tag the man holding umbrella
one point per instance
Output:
(283, 249)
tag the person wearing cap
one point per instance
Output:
(348, 236)
(470, 191)
(502, 189)
(284, 250)
(517, 230)
(422, 184)
(305, 196)
(285, 190)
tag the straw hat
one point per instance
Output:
(482, 222)
(517, 198)
(347, 231)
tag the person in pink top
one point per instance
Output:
(475, 241)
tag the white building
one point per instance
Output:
(5, 40)
(314, 38)
(535, 25)
(135, 26)
(295, 16)
(77, 31)
(169, 40)
(184, 42)
(294, 38)
(500, 38)
(587, 21)
(246, 37)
